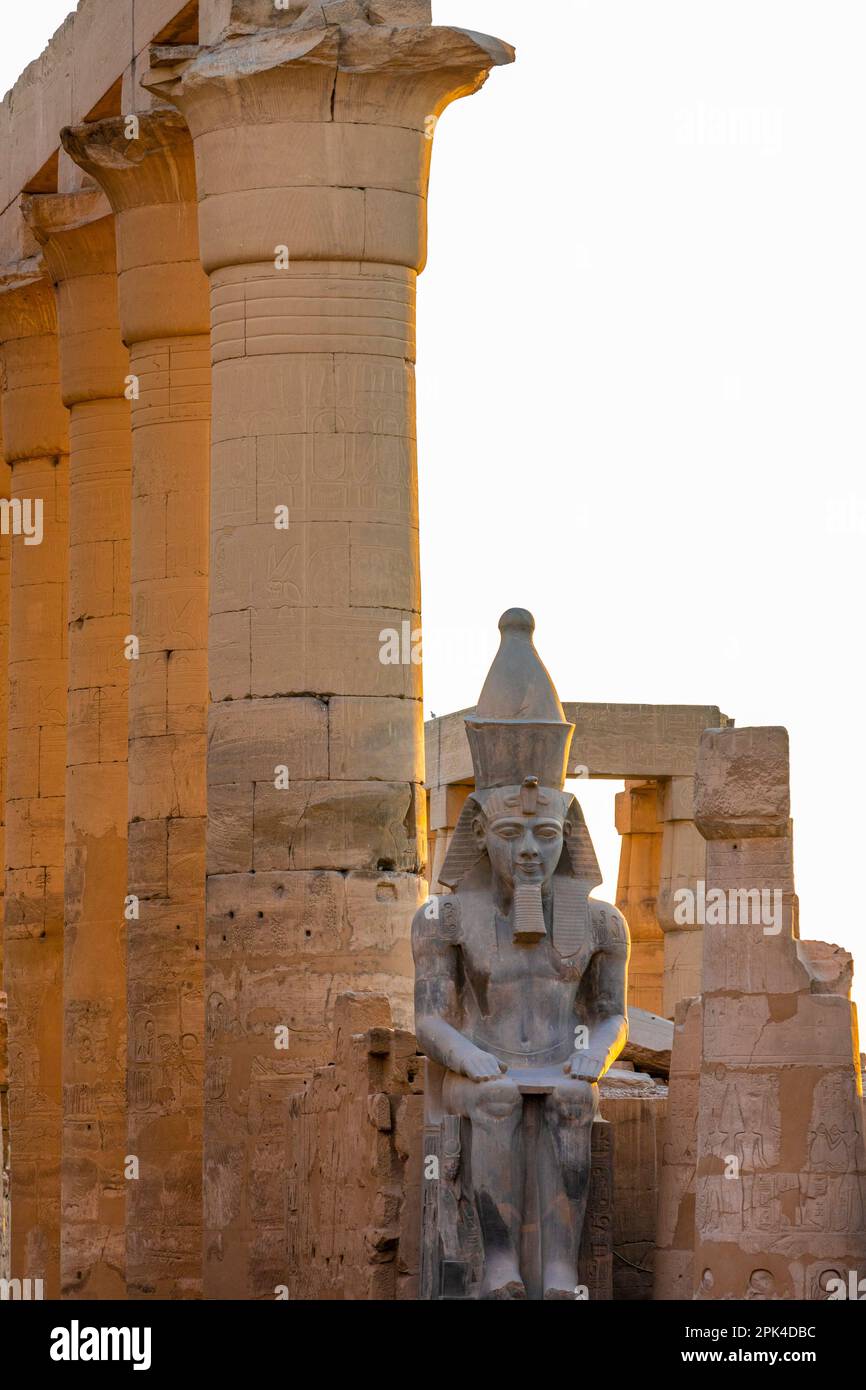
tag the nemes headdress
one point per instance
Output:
(519, 739)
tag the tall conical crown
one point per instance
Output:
(518, 729)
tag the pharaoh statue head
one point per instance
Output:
(520, 834)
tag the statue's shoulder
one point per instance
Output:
(438, 919)
(610, 928)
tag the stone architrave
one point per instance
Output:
(628, 742)
(77, 234)
(520, 1005)
(147, 171)
(637, 890)
(313, 133)
(683, 869)
(35, 449)
(780, 1154)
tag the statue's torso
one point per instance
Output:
(519, 1001)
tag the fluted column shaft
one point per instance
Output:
(164, 315)
(35, 442)
(312, 153)
(79, 244)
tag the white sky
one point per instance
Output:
(641, 372)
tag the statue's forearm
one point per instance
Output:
(441, 1041)
(607, 1038)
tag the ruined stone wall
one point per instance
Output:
(353, 1187)
(763, 1188)
(638, 1122)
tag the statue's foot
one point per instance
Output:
(513, 1288)
(559, 1282)
(502, 1280)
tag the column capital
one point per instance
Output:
(76, 233)
(27, 306)
(317, 135)
(153, 165)
(148, 177)
(35, 424)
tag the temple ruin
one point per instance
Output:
(221, 808)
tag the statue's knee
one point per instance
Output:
(497, 1100)
(574, 1100)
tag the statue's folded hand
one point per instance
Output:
(479, 1065)
(582, 1066)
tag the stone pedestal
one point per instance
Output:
(313, 132)
(79, 244)
(35, 444)
(165, 321)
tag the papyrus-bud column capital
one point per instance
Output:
(146, 169)
(312, 150)
(77, 234)
(35, 447)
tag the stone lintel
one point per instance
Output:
(610, 740)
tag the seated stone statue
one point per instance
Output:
(520, 989)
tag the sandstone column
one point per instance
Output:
(780, 1154)
(35, 441)
(5, 566)
(312, 127)
(637, 890)
(683, 867)
(5, 483)
(146, 168)
(79, 243)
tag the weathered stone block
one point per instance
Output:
(250, 739)
(230, 828)
(741, 783)
(376, 738)
(332, 825)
